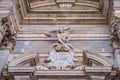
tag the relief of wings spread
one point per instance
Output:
(62, 36)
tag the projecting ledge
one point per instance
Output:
(60, 73)
(21, 69)
(46, 72)
(88, 70)
(98, 69)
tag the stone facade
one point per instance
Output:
(59, 39)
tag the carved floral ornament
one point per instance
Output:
(115, 29)
(9, 35)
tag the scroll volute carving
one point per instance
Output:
(9, 33)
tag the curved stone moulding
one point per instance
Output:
(23, 58)
(87, 56)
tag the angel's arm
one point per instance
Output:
(67, 30)
(47, 33)
(59, 39)
(50, 33)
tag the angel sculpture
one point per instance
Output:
(62, 53)
(62, 36)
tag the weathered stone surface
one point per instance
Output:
(98, 46)
(4, 54)
(90, 22)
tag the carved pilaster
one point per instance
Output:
(115, 34)
(115, 27)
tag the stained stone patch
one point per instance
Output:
(3, 58)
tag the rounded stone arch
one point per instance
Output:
(101, 60)
(22, 58)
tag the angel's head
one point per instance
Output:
(61, 30)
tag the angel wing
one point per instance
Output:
(67, 30)
(54, 33)
(51, 33)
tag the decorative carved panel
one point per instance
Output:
(59, 12)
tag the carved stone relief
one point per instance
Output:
(9, 33)
(115, 31)
(62, 53)
(65, 3)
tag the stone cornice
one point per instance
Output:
(41, 37)
(88, 70)
(29, 13)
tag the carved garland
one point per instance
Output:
(9, 33)
(115, 28)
